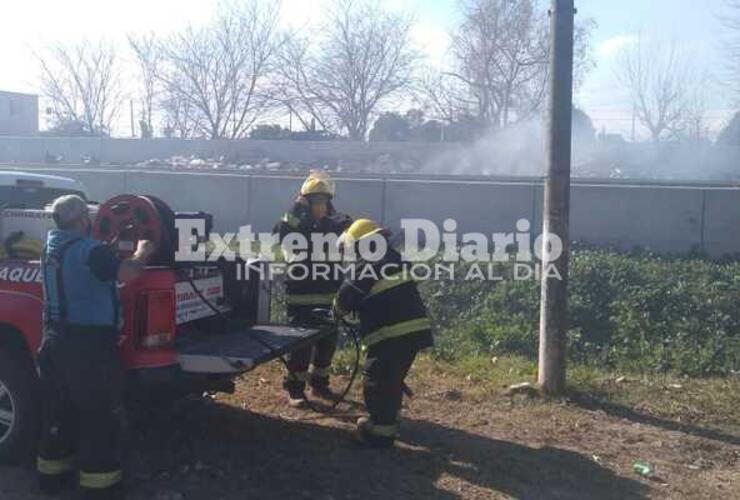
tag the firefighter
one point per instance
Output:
(393, 323)
(79, 365)
(312, 213)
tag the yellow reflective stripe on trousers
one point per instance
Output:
(54, 467)
(383, 430)
(100, 480)
(382, 285)
(398, 330)
(310, 299)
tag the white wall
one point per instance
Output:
(662, 218)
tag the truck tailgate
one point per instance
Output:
(241, 350)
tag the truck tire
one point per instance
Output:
(19, 409)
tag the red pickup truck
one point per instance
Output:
(173, 341)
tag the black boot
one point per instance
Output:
(320, 388)
(53, 484)
(366, 438)
(115, 492)
(296, 388)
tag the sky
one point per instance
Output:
(28, 25)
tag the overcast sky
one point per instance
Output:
(28, 24)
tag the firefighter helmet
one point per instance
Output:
(318, 182)
(361, 228)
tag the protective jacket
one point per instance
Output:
(306, 291)
(388, 302)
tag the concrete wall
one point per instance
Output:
(721, 221)
(665, 219)
(224, 196)
(662, 218)
(484, 207)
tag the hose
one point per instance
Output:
(271, 349)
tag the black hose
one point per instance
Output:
(271, 349)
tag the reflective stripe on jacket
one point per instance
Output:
(389, 305)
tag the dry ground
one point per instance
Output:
(460, 439)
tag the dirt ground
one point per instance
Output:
(457, 442)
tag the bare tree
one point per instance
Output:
(181, 119)
(358, 61)
(216, 79)
(730, 18)
(81, 82)
(500, 54)
(448, 97)
(148, 59)
(694, 126)
(659, 80)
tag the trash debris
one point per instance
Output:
(642, 468)
(203, 161)
(453, 395)
(526, 388)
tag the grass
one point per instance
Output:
(684, 400)
(687, 400)
(712, 401)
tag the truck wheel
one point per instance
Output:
(18, 408)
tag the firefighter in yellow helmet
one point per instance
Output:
(393, 323)
(312, 212)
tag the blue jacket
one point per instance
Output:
(88, 301)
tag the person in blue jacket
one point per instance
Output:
(79, 365)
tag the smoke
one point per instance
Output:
(516, 150)
(519, 150)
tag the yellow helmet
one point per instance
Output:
(361, 228)
(318, 182)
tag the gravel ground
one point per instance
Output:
(456, 443)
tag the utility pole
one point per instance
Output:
(131, 110)
(556, 212)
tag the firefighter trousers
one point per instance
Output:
(82, 392)
(317, 356)
(385, 370)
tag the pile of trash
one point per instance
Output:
(383, 164)
(221, 163)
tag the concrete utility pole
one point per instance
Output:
(131, 109)
(556, 213)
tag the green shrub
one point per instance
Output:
(639, 312)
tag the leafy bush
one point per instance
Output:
(638, 312)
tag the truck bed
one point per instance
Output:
(241, 349)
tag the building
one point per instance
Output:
(19, 113)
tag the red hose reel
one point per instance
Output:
(126, 219)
